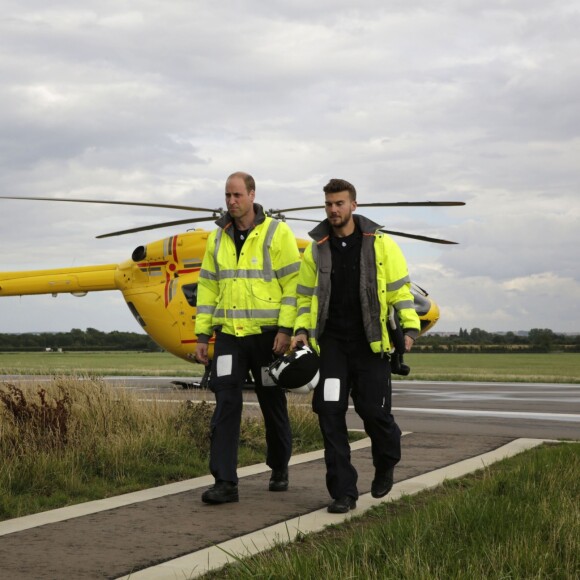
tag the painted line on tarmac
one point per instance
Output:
(566, 417)
(484, 383)
(562, 417)
(213, 558)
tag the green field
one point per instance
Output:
(552, 368)
(548, 368)
(97, 364)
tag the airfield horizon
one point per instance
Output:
(492, 367)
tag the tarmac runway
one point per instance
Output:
(167, 532)
(537, 410)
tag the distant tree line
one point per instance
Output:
(478, 340)
(77, 340)
(475, 340)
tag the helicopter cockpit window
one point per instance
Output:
(190, 292)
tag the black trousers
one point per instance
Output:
(351, 368)
(233, 357)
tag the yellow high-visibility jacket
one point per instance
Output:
(384, 283)
(255, 293)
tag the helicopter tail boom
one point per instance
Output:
(62, 280)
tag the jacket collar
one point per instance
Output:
(226, 220)
(323, 229)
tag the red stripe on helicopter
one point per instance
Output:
(174, 248)
(167, 283)
(194, 341)
(149, 264)
(188, 270)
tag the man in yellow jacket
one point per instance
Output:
(247, 296)
(350, 277)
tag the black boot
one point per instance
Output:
(342, 505)
(279, 480)
(221, 492)
(382, 483)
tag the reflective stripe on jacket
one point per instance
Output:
(384, 283)
(256, 292)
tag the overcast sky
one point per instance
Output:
(475, 101)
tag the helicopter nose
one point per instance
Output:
(139, 253)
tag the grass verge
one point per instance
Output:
(75, 440)
(518, 518)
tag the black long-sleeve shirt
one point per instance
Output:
(345, 315)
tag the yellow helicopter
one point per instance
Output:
(159, 281)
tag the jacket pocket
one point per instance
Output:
(265, 295)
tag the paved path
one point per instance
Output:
(142, 531)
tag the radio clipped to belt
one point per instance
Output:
(397, 340)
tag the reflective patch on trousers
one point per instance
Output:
(224, 365)
(267, 380)
(332, 389)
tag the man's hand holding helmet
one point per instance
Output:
(300, 339)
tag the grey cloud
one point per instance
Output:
(458, 100)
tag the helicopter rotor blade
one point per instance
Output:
(298, 219)
(133, 203)
(379, 204)
(417, 237)
(391, 232)
(277, 213)
(156, 226)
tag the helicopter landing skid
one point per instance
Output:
(204, 382)
(188, 384)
